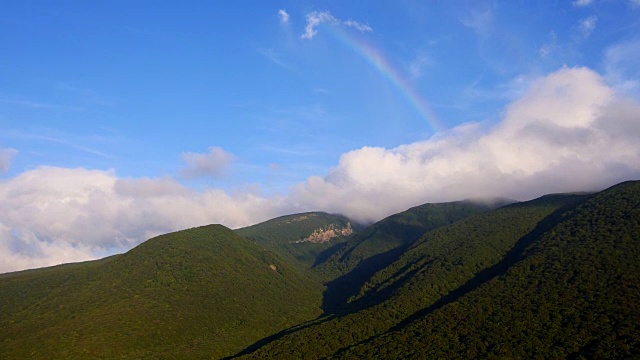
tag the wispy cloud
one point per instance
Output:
(273, 56)
(550, 46)
(284, 16)
(209, 164)
(6, 156)
(358, 26)
(315, 18)
(621, 67)
(479, 21)
(508, 90)
(62, 139)
(580, 3)
(39, 105)
(418, 65)
(586, 26)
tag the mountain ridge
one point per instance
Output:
(254, 292)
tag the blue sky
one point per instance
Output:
(281, 106)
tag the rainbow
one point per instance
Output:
(378, 61)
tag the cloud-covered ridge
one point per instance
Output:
(569, 132)
(52, 215)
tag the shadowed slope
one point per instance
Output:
(573, 293)
(354, 262)
(435, 265)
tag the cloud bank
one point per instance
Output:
(569, 132)
(53, 215)
(210, 164)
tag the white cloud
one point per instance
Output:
(284, 16)
(417, 66)
(621, 67)
(358, 26)
(587, 25)
(6, 156)
(315, 18)
(209, 164)
(53, 215)
(568, 133)
(479, 21)
(580, 3)
(551, 46)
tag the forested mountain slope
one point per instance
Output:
(435, 266)
(196, 293)
(573, 293)
(554, 277)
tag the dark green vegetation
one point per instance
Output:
(286, 234)
(196, 293)
(352, 263)
(555, 277)
(570, 291)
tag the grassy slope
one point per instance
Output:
(281, 233)
(191, 294)
(435, 265)
(574, 293)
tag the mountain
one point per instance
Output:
(555, 277)
(195, 293)
(353, 262)
(301, 237)
(572, 291)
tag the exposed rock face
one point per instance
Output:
(327, 233)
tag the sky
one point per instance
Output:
(120, 120)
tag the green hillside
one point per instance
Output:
(290, 235)
(352, 263)
(554, 277)
(196, 293)
(433, 267)
(573, 293)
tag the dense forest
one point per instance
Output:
(554, 277)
